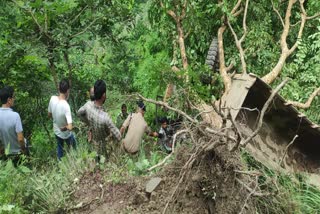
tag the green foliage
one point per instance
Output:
(43, 146)
(140, 164)
(290, 193)
(51, 189)
(13, 187)
(149, 78)
(304, 71)
(207, 84)
(132, 46)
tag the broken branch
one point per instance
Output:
(263, 111)
(250, 194)
(168, 107)
(219, 133)
(286, 150)
(259, 194)
(173, 145)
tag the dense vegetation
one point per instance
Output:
(133, 46)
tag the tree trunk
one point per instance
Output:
(66, 58)
(222, 66)
(182, 45)
(53, 72)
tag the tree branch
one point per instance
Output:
(285, 51)
(173, 150)
(170, 12)
(45, 21)
(168, 107)
(222, 65)
(314, 16)
(286, 149)
(236, 7)
(302, 24)
(239, 42)
(77, 16)
(41, 31)
(36, 21)
(86, 28)
(306, 104)
(183, 13)
(277, 12)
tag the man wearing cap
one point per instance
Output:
(137, 126)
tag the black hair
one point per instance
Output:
(99, 89)
(163, 120)
(123, 106)
(63, 86)
(5, 93)
(141, 105)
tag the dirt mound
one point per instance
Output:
(208, 186)
(197, 181)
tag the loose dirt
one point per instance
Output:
(208, 185)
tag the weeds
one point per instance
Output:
(139, 164)
(48, 189)
(53, 188)
(13, 187)
(290, 192)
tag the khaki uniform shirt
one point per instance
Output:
(137, 127)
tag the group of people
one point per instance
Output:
(92, 113)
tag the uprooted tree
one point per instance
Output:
(256, 50)
(269, 45)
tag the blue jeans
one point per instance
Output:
(71, 141)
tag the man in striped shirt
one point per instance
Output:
(99, 122)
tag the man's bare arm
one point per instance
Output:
(21, 141)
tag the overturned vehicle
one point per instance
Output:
(287, 141)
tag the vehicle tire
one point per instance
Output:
(212, 57)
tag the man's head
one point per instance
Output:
(7, 95)
(164, 122)
(64, 87)
(100, 89)
(124, 109)
(141, 106)
(91, 93)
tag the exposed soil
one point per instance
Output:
(208, 186)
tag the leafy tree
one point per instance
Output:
(246, 43)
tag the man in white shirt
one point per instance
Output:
(59, 111)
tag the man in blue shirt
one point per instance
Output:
(11, 135)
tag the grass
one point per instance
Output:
(47, 186)
(290, 193)
(52, 188)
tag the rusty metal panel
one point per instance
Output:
(282, 122)
(238, 92)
